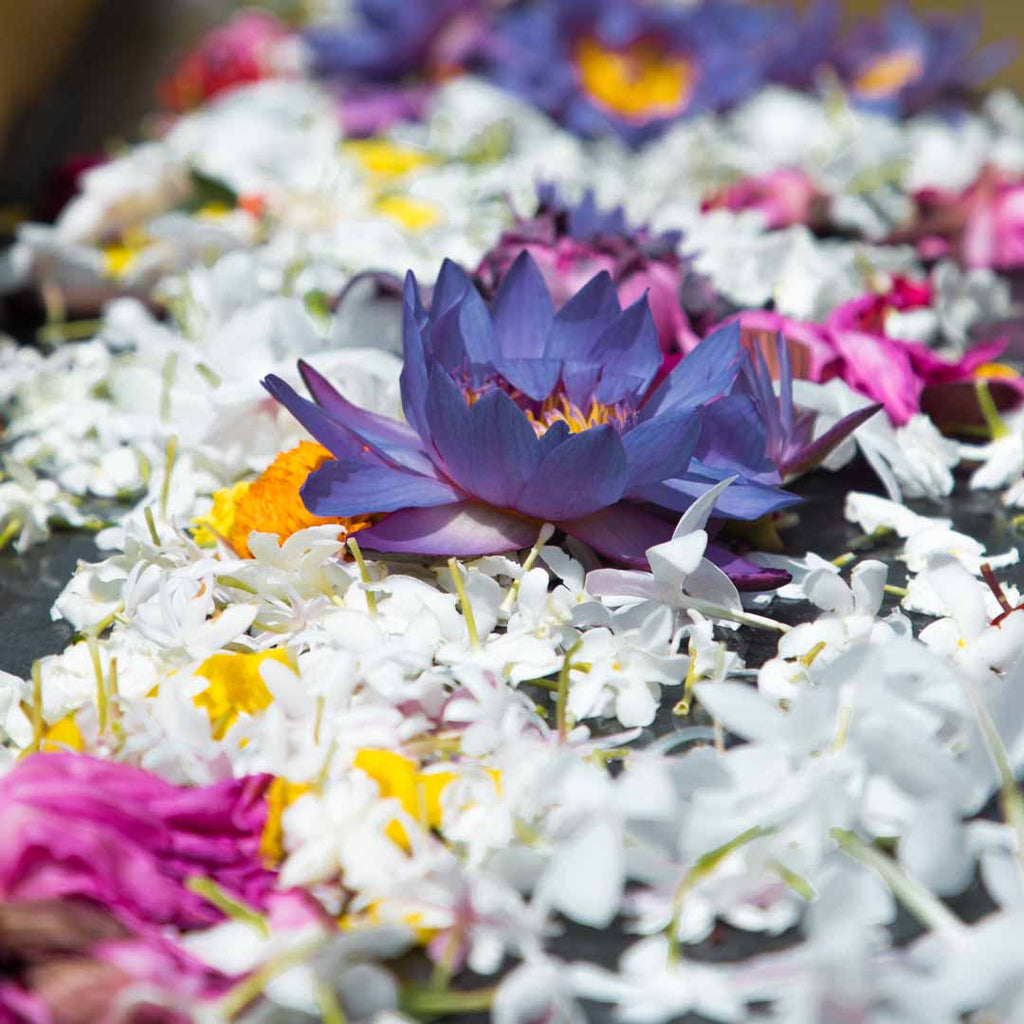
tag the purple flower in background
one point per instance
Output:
(519, 416)
(625, 67)
(790, 431)
(387, 63)
(570, 243)
(902, 63)
(75, 826)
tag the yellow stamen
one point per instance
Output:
(638, 83)
(557, 408)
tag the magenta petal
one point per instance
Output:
(744, 574)
(466, 529)
(622, 533)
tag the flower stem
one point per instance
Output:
(1011, 801)
(364, 574)
(37, 706)
(227, 904)
(165, 488)
(101, 685)
(467, 608)
(151, 524)
(427, 1003)
(929, 910)
(994, 422)
(546, 532)
(10, 531)
(562, 701)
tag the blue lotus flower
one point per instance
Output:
(790, 441)
(626, 67)
(518, 416)
(901, 63)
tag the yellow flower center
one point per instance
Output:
(236, 687)
(120, 257)
(889, 73)
(638, 83)
(557, 408)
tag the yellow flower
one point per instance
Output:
(890, 73)
(220, 520)
(235, 687)
(119, 257)
(411, 214)
(637, 83)
(62, 735)
(272, 504)
(417, 791)
(280, 796)
(384, 159)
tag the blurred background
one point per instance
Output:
(77, 76)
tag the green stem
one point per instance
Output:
(151, 524)
(994, 422)
(1011, 801)
(467, 608)
(562, 702)
(10, 531)
(427, 1004)
(227, 904)
(546, 532)
(364, 574)
(165, 488)
(930, 911)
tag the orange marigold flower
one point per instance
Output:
(271, 503)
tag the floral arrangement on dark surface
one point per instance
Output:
(516, 625)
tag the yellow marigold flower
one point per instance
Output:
(220, 520)
(281, 794)
(271, 503)
(235, 687)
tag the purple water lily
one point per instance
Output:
(519, 416)
(625, 67)
(571, 242)
(387, 62)
(790, 442)
(902, 63)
